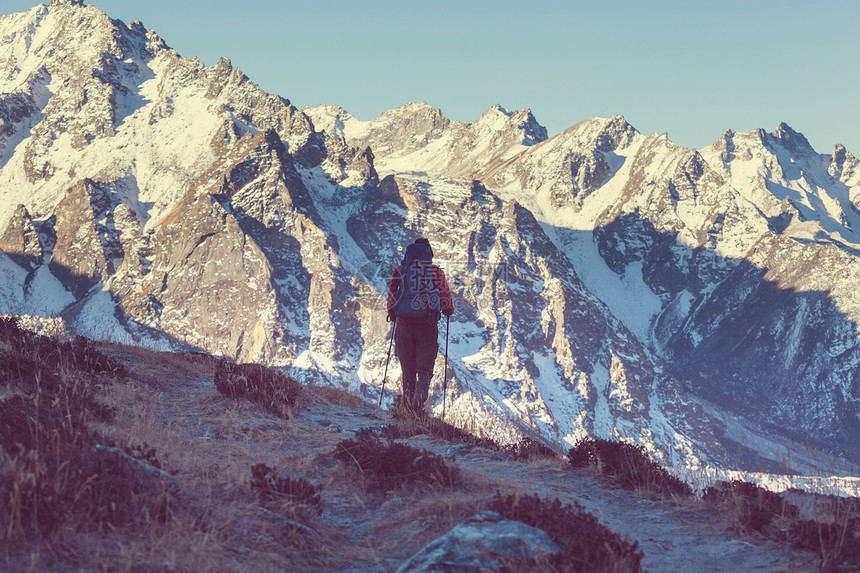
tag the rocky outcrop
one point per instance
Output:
(21, 241)
(87, 246)
(570, 166)
(484, 543)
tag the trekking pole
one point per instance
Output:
(385, 374)
(445, 379)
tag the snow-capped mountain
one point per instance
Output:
(734, 266)
(606, 282)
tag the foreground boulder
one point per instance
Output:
(486, 542)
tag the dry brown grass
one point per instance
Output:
(329, 395)
(210, 443)
(832, 531)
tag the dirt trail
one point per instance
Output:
(674, 535)
(377, 533)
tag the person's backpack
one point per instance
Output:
(417, 299)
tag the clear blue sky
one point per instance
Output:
(689, 68)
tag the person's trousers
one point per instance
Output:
(416, 346)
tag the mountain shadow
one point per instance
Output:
(133, 332)
(788, 359)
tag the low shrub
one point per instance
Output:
(389, 465)
(53, 472)
(529, 449)
(10, 328)
(750, 507)
(70, 373)
(273, 390)
(270, 485)
(85, 357)
(837, 542)
(115, 489)
(28, 353)
(627, 464)
(586, 545)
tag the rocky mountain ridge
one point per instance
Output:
(606, 282)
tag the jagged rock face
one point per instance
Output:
(411, 127)
(241, 266)
(82, 91)
(548, 347)
(571, 166)
(111, 131)
(417, 137)
(21, 241)
(605, 282)
(87, 245)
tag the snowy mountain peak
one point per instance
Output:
(615, 133)
(605, 134)
(844, 167)
(66, 3)
(421, 114)
(521, 121)
(792, 140)
(223, 65)
(333, 120)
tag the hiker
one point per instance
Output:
(417, 298)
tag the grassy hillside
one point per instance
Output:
(120, 458)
